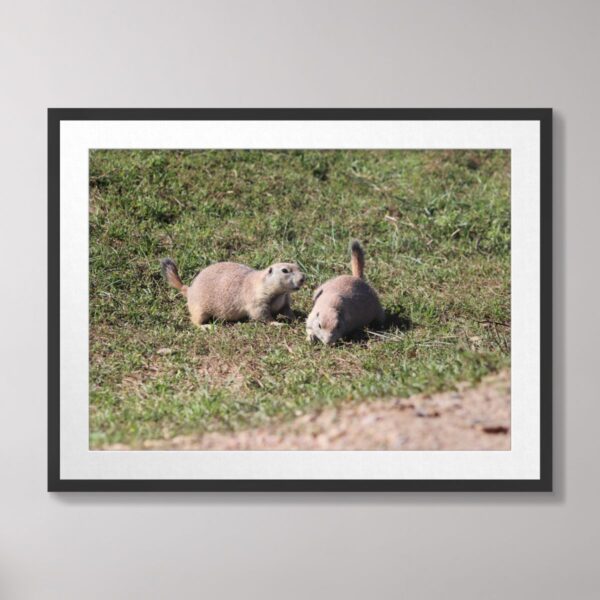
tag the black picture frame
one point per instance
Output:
(544, 483)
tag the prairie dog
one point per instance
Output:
(344, 304)
(231, 291)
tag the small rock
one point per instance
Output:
(495, 429)
(426, 412)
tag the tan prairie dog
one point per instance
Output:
(344, 304)
(233, 292)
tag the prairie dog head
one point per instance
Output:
(284, 277)
(325, 325)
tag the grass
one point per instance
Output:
(436, 230)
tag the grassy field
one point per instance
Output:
(436, 229)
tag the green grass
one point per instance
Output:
(436, 230)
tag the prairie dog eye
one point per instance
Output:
(319, 325)
(284, 271)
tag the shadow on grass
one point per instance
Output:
(395, 324)
(298, 316)
(397, 321)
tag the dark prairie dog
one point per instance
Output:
(344, 304)
(232, 292)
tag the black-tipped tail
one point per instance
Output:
(358, 259)
(170, 273)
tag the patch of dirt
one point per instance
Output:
(213, 369)
(471, 418)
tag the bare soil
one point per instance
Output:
(470, 418)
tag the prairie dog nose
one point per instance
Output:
(301, 279)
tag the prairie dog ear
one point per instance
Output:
(270, 270)
(317, 293)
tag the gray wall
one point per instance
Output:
(388, 54)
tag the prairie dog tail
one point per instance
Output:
(358, 259)
(170, 273)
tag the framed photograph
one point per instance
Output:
(300, 299)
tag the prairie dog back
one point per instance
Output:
(220, 290)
